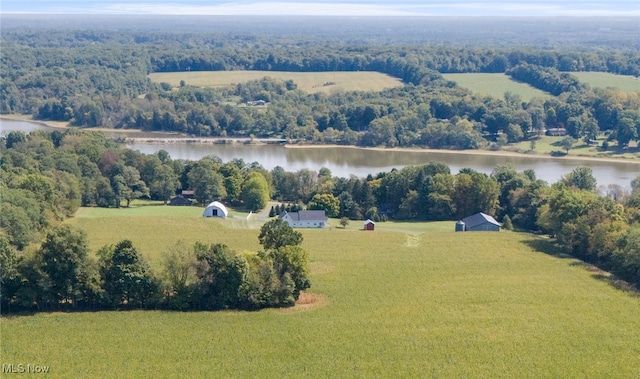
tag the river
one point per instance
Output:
(346, 161)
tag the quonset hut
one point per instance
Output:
(215, 209)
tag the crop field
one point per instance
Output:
(603, 80)
(495, 85)
(311, 82)
(406, 300)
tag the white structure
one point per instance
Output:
(305, 219)
(215, 209)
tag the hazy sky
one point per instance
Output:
(331, 7)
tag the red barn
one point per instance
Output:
(369, 225)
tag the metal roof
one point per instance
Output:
(306, 215)
(479, 219)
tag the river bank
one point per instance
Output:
(493, 153)
(136, 136)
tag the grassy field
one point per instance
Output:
(495, 85)
(550, 144)
(603, 80)
(407, 300)
(307, 81)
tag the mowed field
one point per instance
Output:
(407, 300)
(495, 85)
(307, 81)
(625, 83)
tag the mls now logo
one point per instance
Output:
(22, 368)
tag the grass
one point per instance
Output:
(550, 144)
(625, 83)
(407, 300)
(495, 85)
(311, 82)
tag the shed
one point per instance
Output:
(480, 222)
(215, 209)
(180, 200)
(369, 225)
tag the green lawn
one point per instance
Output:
(406, 300)
(307, 81)
(495, 85)
(550, 144)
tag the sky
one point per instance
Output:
(330, 7)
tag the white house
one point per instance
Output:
(215, 209)
(305, 219)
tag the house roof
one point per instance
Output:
(479, 219)
(306, 215)
(369, 221)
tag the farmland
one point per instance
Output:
(604, 80)
(495, 85)
(396, 302)
(311, 82)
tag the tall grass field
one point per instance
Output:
(405, 300)
(311, 82)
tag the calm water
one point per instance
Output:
(344, 161)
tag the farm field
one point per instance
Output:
(625, 83)
(495, 85)
(311, 82)
(407, 300)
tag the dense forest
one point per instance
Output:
(96, 76)
(46, 176)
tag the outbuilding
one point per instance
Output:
(479, 222)
(215, 209)
(180, 200)
(369, 225)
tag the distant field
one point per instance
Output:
(420, 301)
(603, 80)
(495, 85)
(307, 81)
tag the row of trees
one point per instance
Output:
(547, 79)
(62, 275)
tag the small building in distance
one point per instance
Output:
(180, 200)
(305, 219)
(215, 209)
(479, 222)
(369, 225)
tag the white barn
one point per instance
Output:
(305, 219)
(215, 209)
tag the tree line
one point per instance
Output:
(46, 176)
(61, 275)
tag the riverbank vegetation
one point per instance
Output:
(47, 176)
